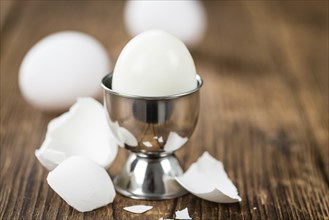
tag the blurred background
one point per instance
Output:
(234, 33)
(265, 68)
(235, 38)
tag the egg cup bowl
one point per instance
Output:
(152, 128)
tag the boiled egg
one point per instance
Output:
(154, 63)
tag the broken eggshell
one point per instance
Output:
(174, 142)
(138, 209)
(82, 183)
(83, 130)
(182, 214)
(122, 136)
(208, 180)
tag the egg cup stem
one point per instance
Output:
(150, 178)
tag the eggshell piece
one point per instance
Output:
(82, 183)
(50, 158)
(127, 137)
(62, 67)
(185, 19)
(174, 142)
(153, 64)
(121, 135)
(138, 209)
(182, 214)
(83, 130)
(208, 180)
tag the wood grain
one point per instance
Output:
(264, 109)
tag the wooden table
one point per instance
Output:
(264, 109)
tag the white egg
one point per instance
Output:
(185, 19)
(154, 63)
(62, 67)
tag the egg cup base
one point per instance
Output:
(150, 178)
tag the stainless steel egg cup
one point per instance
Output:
(152, 128)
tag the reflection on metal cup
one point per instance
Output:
(152, 128)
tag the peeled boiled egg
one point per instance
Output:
(185, 19)
(153, 64)
(62, 67)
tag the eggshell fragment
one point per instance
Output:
(138, 208)
(208, 180)
(147, 144)
(121, 135)
(81, 131)
(183, 214)
(174, 142)
(82, 183)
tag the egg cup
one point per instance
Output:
(152, 128)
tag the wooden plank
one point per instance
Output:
(6, 8)
(262, 113)
(310, 80)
